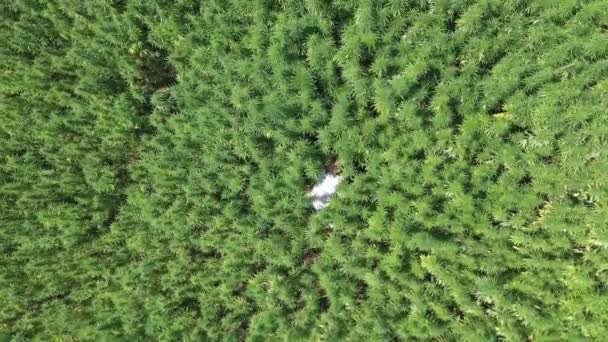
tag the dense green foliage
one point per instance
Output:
(154, 158)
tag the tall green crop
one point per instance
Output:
(155, 159)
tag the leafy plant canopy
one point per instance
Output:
(156, 158)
